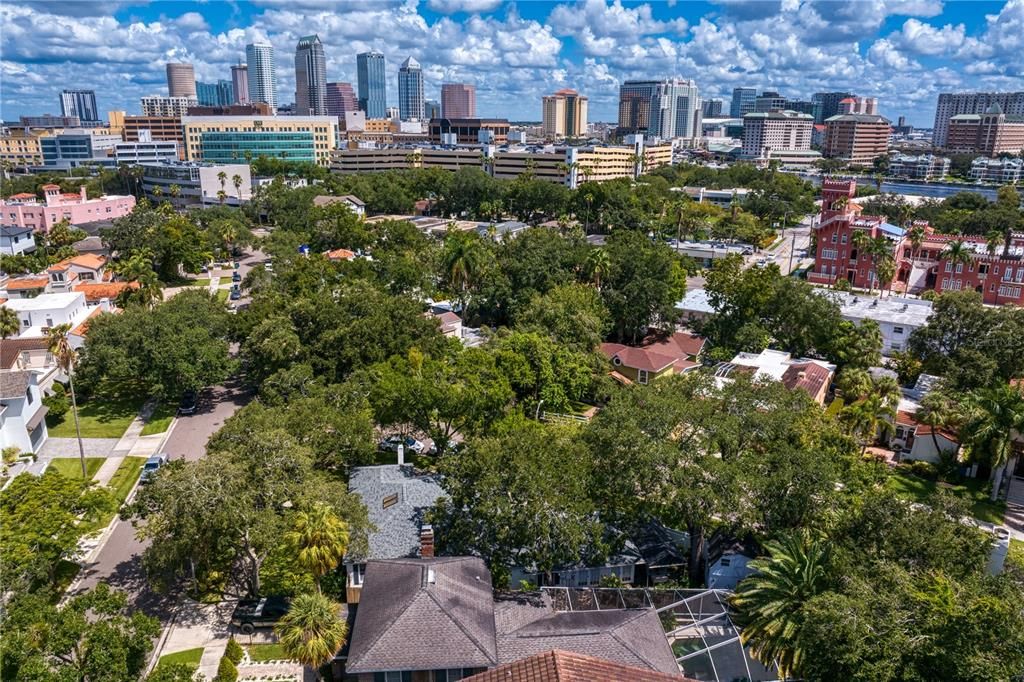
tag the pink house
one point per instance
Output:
(24, 210)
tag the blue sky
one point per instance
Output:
(902, 51)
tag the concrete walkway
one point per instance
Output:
(126, 445)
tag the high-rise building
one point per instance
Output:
(262, 72)
(859, 105)
(769, 100)
(80, 103)
(340, 99)
(765, 133)
(372, 82)
(431, 109)
(711, 108)
(564, 114)
(410, 90)
(990, 133)
(858, 139)
(950, 105)
(675, 110)
(181, 81)
(635, 106)
(310, 77)
(240, 83)
(155, 105)
(827, 104)
(743, 102)
(458, 100)
(801, 105)
(217, 94)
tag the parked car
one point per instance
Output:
(391, 443)
(152, 466)
(235, 265)
(188, 402)
(235, 295)
(259, 613)
(236, 277)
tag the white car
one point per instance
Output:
(152, 465)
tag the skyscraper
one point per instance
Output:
(635, 106)
(80, 103)
(240, 83)
(431, 109)
(743, 101)
(372, 82)
(675, 110)
(181, 80)
(711, 108)
(949, 105)
(564, 114)
(219, 94)
(310, 77)
(340, 99)
(259, 58)
(410, 90)
(826, 104)
(458, 100)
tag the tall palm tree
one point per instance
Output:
(991, 415)
(916, 235)
(589, 199)
(868, 417)
(768, 605)
(462, 259)
(936, 411)
(223, 177)
(319, 539)
(65, 356)
(854, 382)
(957, 252)
(993, 241)
(9, 323)
(886, 271)
(138, 268)
(598, 263)
(311, 632)
(175, 191)
(888, 389)
(236, 180)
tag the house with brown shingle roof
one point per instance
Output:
(812, 376)
(658, 355)
(567, 666)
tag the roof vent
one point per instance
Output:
(431, 578)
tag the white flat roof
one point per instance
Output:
(696, 300)
(45, 301)
(912, 312)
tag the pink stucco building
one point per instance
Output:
(24, 210)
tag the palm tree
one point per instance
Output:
(175, 191)
(991, 414)
(916, 234)
(993, 240)
(854, 383)
(221, 196)
(936, 411)
(862, 240)
(888, 389)
(65, 356)
(236, 180)
(597, 264)
(886, 270)
(311, 632)
(9, 323)
(223, 177)
(319, 538)
(138, 268)
(462, 259)
(768, 604)
(957, 253)
(589, 199)
(868, 417)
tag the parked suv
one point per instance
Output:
(188, 402)
(391, 444)
(152, 466)
(259, 613)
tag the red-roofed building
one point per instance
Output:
(339, 255)
(97, 292)
(88, 267)
(567, 666)
(657, 356)
(25, 210)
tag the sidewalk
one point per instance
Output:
(131, 444)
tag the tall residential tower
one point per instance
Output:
(240, 83)
(181, 80)
(564, 114)
(80, 103)
(259, 58)
(410, 90)
(310, 77)
(373, 92)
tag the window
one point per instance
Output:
(959, 267)
(829, 254)
(834, 237)
(356, 574)
(896, 346)
(844, 239)
(26, 323)
(1007, 274)
(982, 268)
(949, 266)
(393, 676)
(642, 376)
(1012, 292)
(28, 395)
(897, 330)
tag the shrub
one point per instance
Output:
(57, 403)
(226, 671)
(10, 454)
(843, 284)
(929, 295)
(925, 470)
(234, 651)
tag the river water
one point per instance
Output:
(938, 190)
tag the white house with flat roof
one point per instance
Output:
(896, 316)
(22, 413)
(37, 315)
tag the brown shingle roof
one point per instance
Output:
(424, 614)
(14, 384)
(567, 666)
(11, 349)
(809, 376)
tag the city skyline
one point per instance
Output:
(904, 53)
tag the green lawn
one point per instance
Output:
(205, 282)
(189, 657)
(222, 295)
(100, 417)
(72, 466)
(266, 652)
(121, 483)
(160, 420)
(1016, 555)
(973, 490)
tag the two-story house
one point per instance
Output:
(22, 413)
(16, 240)
(658, 355)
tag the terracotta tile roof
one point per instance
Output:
(340, 254)
(91, 261)
(29, 282)
(23, 195)
(656, 352)
(809, 376)
(97, 291)
(566, 666)
(83, 328)
(640, 358)
(51, 186)
(905, 418)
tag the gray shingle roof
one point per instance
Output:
(398, 525)
(424, 614)
(632, 637)
(14, 384)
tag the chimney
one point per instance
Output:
(401, 453)
(427, 541)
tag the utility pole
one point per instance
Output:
(792, 248)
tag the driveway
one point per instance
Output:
(68, 447)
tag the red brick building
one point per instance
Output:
(998, 276)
